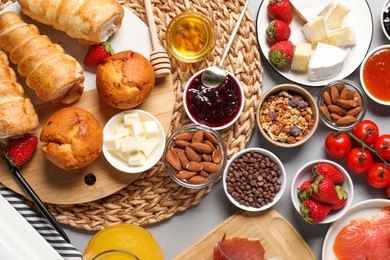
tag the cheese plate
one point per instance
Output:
(359, 17)
(99, 179)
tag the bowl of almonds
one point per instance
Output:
(195, 156)
(342, 104)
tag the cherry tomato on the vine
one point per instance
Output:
(338, 145)
(382, 145)
(367, 131)
(378, 176)
(359, 161)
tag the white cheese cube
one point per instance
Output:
(327, 61)
(342, 37)
(315, 31)
(122, 155)
(111, 142)
(131, 117)
(138, 129)
(151, 129)
(121, 131)
(130, 144)
(301, 58)
(136, 159)
(335, 16)
(150, 145)
(309, 9)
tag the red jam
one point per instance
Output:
(376, 74)
(214, 107)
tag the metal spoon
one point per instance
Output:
(213, 76)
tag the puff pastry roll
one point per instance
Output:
(17, 114)
(52, 74)
(90, 21)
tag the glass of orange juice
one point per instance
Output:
(122, 242)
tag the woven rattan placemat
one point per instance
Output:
(154, 196)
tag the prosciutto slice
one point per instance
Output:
(238, 248)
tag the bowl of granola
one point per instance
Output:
(287, 115)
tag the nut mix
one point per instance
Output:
(195, 156)
(253, 179)
(341, 105)
(286, 117)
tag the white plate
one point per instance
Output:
(131, 36)
(365, 209)
(18, 239)
(359, 17)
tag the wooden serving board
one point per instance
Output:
(99, 179)
(275, 233)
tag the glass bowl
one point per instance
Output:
(190, 36)
(195, 156)
(385, 19)
(347, 107)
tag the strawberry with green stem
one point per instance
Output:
(280, 10)
(314, 211)
(329, 171)
(281, 54)
(19, 151)
(277, 31)
(343, 197)
(323, 190)
(304, 190)
(98, 53)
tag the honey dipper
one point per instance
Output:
(158, 57)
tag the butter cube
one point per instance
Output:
(315, 31)
(301, 58)
(136, 159)
(111, 142)
(122, 155)
(149, 146)
(131, 117)
(342, 37)
(335, 16)
(130, 144)
(121, 130)
(138, 129)
(151, 128)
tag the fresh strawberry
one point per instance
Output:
(343, 197)
(304, 190)
(281, 54)
(280, 10)
(277, 31)
(329, 171)
(20, 150)
(323, 190)
(314, 211)
(98, 53)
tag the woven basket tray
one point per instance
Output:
(154, 196)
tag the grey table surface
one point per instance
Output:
(184, 229)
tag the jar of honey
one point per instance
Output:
(190, 36)
(123, 241)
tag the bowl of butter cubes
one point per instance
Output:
(134, 141)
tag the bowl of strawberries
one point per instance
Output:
(322, 191)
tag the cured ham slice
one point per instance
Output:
(363, 239)
(238, 249)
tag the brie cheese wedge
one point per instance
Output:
(342, 37)
(309, 9)
(315, 31)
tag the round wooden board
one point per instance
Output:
(57, 186)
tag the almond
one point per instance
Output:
(217, 155)
(343, 93)
(210, 167)
(203, 173)
(186, 136)
(209, 144)
(340, 87)
(350, 94)
(197, 137)
(206, 157)
(185, 174)
(324, 110)
(354, 111)
(327, 99)
(346, 120)
(181, 144)
(334, 94)
(346, 104)
(182, 158)
(211, 138)
(357, 98)
(334, 116)
(173, 160)
(192, 155)
(336, 109)
(201, 148)
(194, 166)
(197, 179)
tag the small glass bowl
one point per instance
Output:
(190, 36)
(385, 19)
(217, 141)
(350, 85)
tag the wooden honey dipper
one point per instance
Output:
(158, 57)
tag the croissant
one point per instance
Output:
(52, 74)
(90, 21)
(17, 114)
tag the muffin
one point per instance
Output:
(73, 138)
(125, 80)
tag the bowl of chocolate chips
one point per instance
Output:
(254, 179)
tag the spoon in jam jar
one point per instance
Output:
(213, 76)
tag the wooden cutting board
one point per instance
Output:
(275, 233)
(99, 179)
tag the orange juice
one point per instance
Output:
(127, 237)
